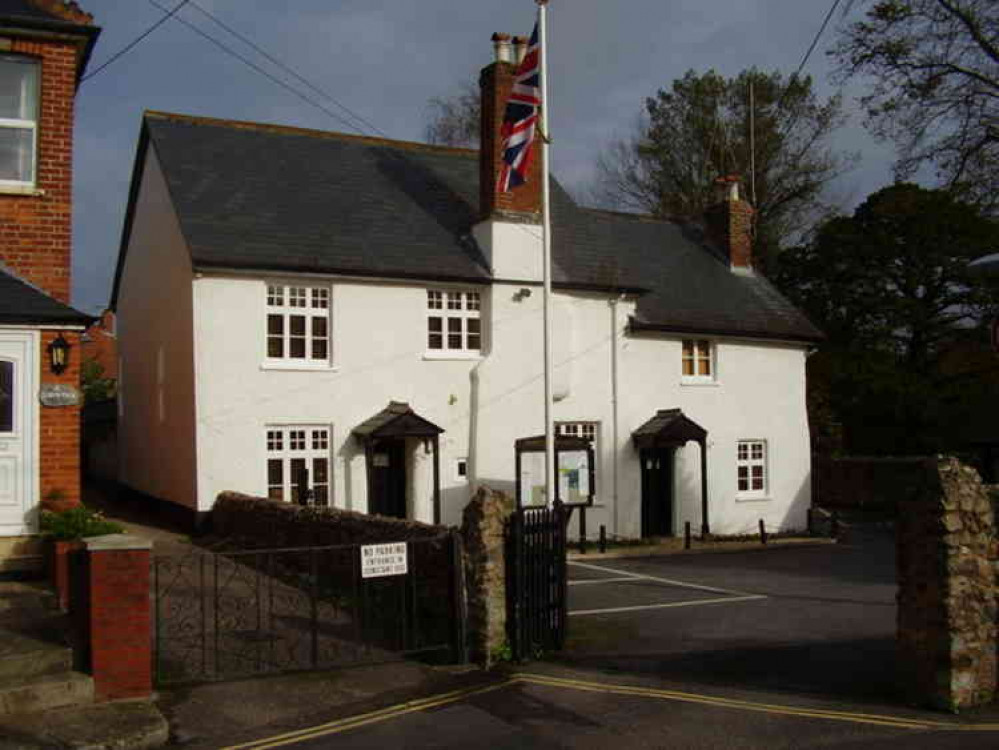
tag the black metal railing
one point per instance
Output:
(223, 615)
(536, 580)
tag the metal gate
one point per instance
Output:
(536, 580)
(223, 615)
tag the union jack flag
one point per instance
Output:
(521, 119)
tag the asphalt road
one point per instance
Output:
(784, 648)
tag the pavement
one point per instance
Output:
(783, 647)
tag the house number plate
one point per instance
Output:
(58, 394)
(379, 560)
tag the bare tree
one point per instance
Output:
(454, 120)
(934, 66)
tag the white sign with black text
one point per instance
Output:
(379, 560)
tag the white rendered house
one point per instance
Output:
(370, 311)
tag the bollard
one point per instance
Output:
(763, 532)
(603, 539)
(686, 535)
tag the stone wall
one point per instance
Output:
(259, 523)
(946, 587)
(483, 532)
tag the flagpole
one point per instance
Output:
(546, 232)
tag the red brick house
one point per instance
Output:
(44, 49)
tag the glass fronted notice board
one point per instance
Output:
(574, 471)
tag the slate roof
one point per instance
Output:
(270, 198)
(24, 304)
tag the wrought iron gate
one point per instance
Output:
(536, 580)
(222, 615)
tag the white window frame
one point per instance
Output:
(697, 357)
(298, 442)
(8, 123)
(285, 300)
(752, 453)
(450, 313)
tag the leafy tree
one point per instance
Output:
(699, 129)
(905, 320)
(934, 67)
(96, 387)
(454, 120)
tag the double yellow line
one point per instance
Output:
(443, 699)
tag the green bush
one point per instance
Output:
(76, 523)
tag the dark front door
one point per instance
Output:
(388, 479)
(657, 492)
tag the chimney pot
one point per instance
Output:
(519, 49)
(501, 47)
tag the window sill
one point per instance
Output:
(29, 190)
(701, 382)
(753, 498)
(457, 356)
(299, 367)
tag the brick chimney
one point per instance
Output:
(729, 223)
(495, 82)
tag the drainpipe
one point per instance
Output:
(614, 411)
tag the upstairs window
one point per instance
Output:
(454, 321)
(298, 323)
(18, 120)
(697, 360)
(751, 467)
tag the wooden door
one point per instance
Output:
(657, 492)
(388, 479)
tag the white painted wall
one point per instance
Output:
(483, 404)
(156, 348)
(379, 355)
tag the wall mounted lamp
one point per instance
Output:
(59, 355)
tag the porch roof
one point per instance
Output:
(668, 428)
(396, 420)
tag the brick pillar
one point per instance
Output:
(118, 617)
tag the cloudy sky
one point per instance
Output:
(384, 59)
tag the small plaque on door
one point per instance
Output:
(59, 394)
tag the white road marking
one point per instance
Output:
(585, 581)
(642, 576)
(640, 607)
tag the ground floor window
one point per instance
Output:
(751, 466)
(297, 456)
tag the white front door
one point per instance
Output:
(18, 480)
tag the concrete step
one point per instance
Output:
(24, 655)
(131, 725)
(21, 596)
(43, 692)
